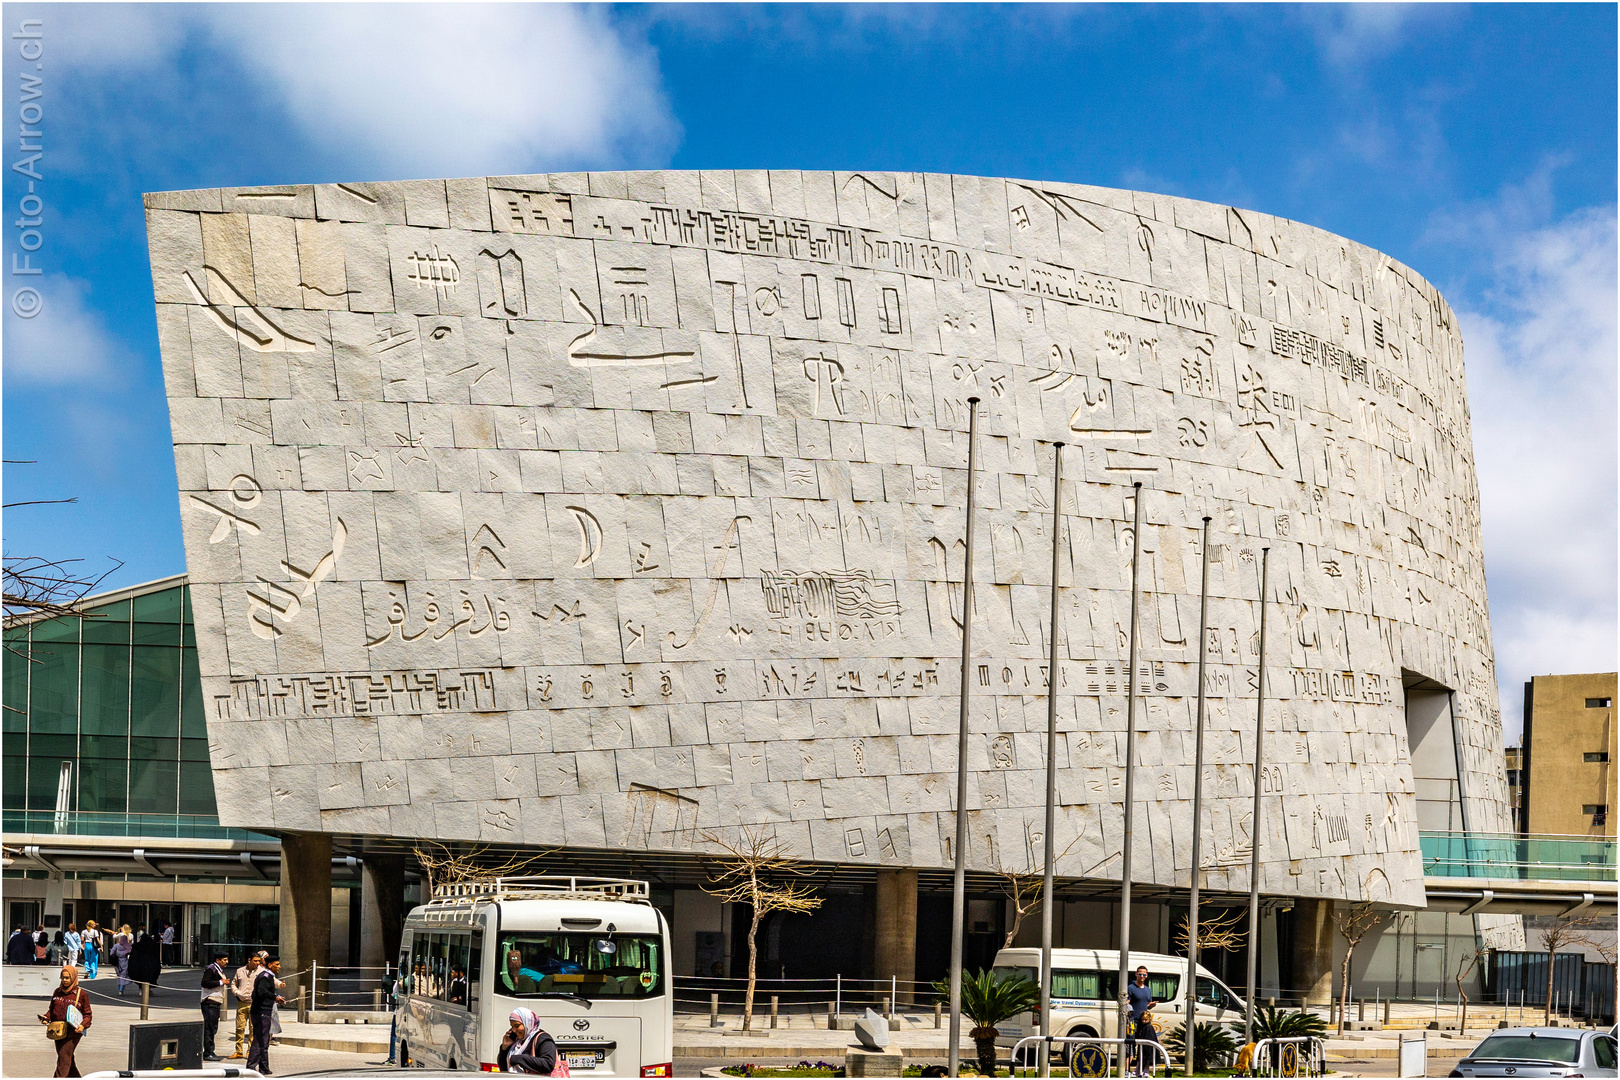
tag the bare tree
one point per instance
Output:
(1220, 934)
(1465, 966)
(442, 866)
(1563, 932)
(34, 585)
(1023, 888)
(1354, 922)
(751, 871)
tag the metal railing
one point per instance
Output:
(96, 823)
(1286, 1062)
(1514, 857)
(1097, 1063)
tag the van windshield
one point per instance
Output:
(580, 965)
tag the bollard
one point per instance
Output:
(714, 1010)
(773, 1010)
(939, 1011)
(303, 1006)
(1271, 1003)
(1387, 1003)
(376, 1001)
(1361, 1009)
(887, 1005)
(831, 1023)
(146, 999)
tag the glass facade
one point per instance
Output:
(116, 695)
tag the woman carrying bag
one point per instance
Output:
(528, 1049)
(92, 950)
(122, 946)
(66, 1020)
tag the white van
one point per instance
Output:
(1085, 993)
(589, 955)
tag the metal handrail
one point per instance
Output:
(1315, 1062)
(1086, 1039)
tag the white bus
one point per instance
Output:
(590, 956)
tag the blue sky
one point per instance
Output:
(1477, 144)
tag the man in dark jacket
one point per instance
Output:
(213, 1001)
(265, 1000)
(20, 947)
(146, 960)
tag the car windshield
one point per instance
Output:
(580, 965)
(1527, 1048)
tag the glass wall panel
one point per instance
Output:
(155, 691)
(157, 618)
(193, 722)
(15, 677)
(108, 623)
(197, 787)
(153, 786)
(141, 748)
(14, 778)
(102, 785)
(105, 688)
(188, 636)
(44, 772)
(104, 746)
(53, 703)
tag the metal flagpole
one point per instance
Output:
(1254, 815)
(1051, 769)
(1190, 1030)
(959, 885)
(1130, 791)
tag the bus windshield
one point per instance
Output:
(591, 966)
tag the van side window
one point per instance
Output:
(458, 968)
(475, 956)
(1164, 987)
(1213, 993)
(1083, 985)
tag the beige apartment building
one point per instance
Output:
(1566, 778)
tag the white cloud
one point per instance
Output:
(1541, 357)
(412, 90)
(67, 342)
(1351, 34)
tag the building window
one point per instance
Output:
(1598, 702)
(1601, 756)
(1513, 777)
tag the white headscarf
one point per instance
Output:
(531, 1032)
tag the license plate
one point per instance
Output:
(582, 1061)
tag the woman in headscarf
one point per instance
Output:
(70, 1006)
(123, 944)
(526, 1048)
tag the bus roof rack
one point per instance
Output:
(542, 887)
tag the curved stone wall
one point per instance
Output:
(604, 509)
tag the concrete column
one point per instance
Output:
(306, 906)
(1313, 950)
(896, 928)
(382, 909)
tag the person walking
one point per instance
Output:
(526, 1047)
(20, 946)
(42, 944)
(66, 1020)
(213, 1002)
(242, 987)
(123, 945)
(74, 942)
(265, 1000)
(92, 948)
(146, 960)
(167, 937)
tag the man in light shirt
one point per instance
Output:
(242, 988)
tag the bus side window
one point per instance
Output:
(475, 956)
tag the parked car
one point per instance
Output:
(1522, 1053)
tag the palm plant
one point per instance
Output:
(987, 1000)
(1274, 1023)
(1213, 1045)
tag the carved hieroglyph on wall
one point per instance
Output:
(640, 496)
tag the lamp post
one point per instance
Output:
(959, 883)
(1254, 816)
(1189, 1031)
(1130, 787)
(1051, 770)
